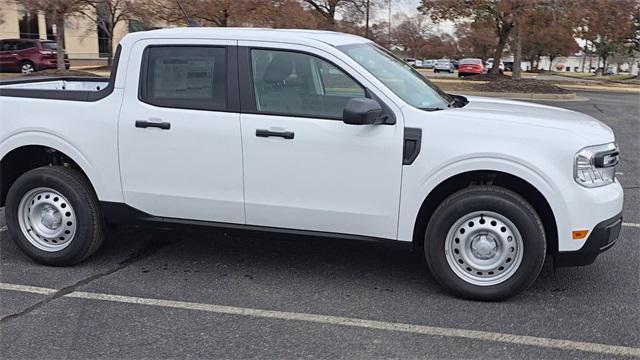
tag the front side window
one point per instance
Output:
(26, 45)
(191, 77)
(399, 77)
(298, 84)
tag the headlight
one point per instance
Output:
(596, 165)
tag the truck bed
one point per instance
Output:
(57, 88)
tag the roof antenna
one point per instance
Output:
(190, 22)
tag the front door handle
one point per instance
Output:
(152, 124)
(268, 133)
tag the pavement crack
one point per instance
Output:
(147, 249)
(598, 108)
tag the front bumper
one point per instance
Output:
(602, 238)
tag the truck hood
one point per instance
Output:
(532, 114)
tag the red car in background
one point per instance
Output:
(471, 67)
(28, 55)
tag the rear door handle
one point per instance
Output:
(152, 124)
(289, 135)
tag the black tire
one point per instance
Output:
(89, 233)
(494, 199)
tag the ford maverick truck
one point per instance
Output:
(304, 133)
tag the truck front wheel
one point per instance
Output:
(485, 243)
(53, 216)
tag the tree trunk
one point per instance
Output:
(110, 50)
(366, 21)
(502, 42)
(225, 18)
(551, 62)
(60, 42)
(584, 56)
(517, 58)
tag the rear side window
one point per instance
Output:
(8, 46)
(188, 77)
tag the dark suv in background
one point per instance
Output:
(28, 55)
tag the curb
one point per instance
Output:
(616, 89)
(523, 96)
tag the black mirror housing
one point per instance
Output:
(362, 111)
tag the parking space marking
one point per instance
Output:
(27, 289)
(567, 345)
(631, 225)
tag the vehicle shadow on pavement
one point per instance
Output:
(211, 258)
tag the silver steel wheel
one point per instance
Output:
(484, 248)
(27, 68)
(47, 219)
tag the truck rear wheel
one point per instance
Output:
(485, 243)
(53, 216)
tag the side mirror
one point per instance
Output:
(362, 111)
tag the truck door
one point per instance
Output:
(304, 167)
(179, 131)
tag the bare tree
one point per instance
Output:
(328, 9)
(607, 28)
(497, 12)
(107, 14)
(57, 11)
(410, 34)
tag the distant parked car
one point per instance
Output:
(410, 61)
(490, 65)
(429, 64)
(444, 65)
(418, 64)
(28, 55)
(508, 66)
(471, 67)
(456, 64)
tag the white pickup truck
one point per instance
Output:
(305, 133)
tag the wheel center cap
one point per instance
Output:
(484, 247)
(51, 218)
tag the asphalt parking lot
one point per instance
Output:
(207, 294)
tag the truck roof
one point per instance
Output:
(300, 36)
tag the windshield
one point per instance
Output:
(50, 46)
(401, 78)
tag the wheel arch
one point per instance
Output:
(487, 177)
(24, 158)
